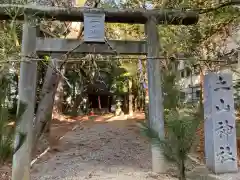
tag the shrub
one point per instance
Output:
(7, 131)
(181, 127)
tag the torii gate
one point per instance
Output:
(150, 47)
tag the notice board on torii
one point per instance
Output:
(94, 27)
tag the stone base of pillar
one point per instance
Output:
(158, 160)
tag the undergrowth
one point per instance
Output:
(7, 124)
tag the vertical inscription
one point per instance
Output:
(94, 27)
(222, 83)
(220, 133)
(225, 154)
(224, 129)
(222, 106)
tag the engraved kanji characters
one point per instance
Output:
(224, 129)
(225, 154)
(223, 106)
(222, 82)
(220, 132)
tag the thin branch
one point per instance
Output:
(233, 2)
(67, 55)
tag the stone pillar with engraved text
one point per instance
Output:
(220, 130)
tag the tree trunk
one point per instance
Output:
(182, 175)
(59, 97)
(200, 131)
(49, 118)
(78, 91)
(142, 100)
(99, 103)
(135, 103)
(15, 104)
(201, 90)
(27, 93)
(47, 129)
(44, 111)
(130, 106)
(76, 104)
(146, 97)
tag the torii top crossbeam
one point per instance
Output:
(132, 16)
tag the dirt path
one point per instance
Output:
(100, 150)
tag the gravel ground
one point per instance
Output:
(109, 151)
(112, 150)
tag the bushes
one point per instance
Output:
(6, 135)
(181, 127)
(7, 130)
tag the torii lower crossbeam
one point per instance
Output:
(57, 45)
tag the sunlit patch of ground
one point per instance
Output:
(96, 150)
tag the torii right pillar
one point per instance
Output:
(220, 127)
(155, 113)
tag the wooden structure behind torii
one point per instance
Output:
(150, 47)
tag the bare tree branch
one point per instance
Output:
(230, 3)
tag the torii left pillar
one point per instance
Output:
(155, 116)
(27, 94)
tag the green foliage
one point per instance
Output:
(9, 39)
(5, 137)
(181, 127)
(236, 86)
(171, 91)
(181, 123)
(7, 131)
(119, 78)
